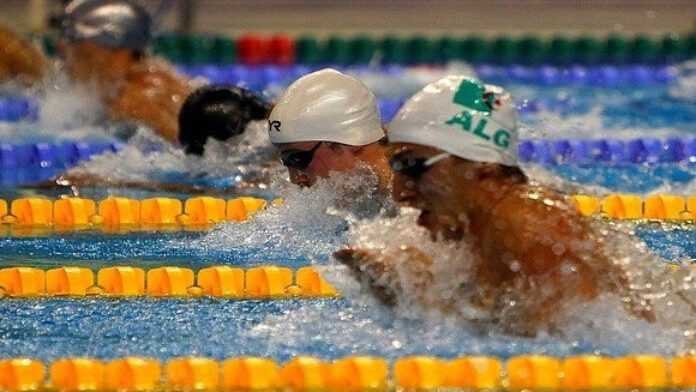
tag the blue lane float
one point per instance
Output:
(639, 150)
(17, 108)
(45, 155)
(262, 77)
(541, 151)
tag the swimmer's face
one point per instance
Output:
(425, 188)
(437, 189)
(327, 158)
(90, 63)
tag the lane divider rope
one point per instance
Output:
(263, 282)
(354, 373)
(638, 150)
(43, 155)
(660, 207)
(37, 215)
(542, 151)
(116, 215)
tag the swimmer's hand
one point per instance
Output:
(366, 267)
(383, 272)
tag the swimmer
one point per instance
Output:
(104, 45)
(453, 152)
(328, 122)
(214, 111)
(19, 59)
(218, 112)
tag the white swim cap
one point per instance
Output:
(462, 116)
(326, 106)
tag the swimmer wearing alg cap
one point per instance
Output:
(454, 157)
(104, 44)
(327, 122)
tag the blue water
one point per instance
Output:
(630, 178)
(164, 328)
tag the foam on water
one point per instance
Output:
(67, 111)
(685, 85)
(147, 157)
(311, 223)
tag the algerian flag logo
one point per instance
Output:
(472, 95)
(476, 118)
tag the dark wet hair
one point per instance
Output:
(220, 112)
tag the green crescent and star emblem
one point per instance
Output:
(472, 95)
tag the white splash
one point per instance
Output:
(148, 157)
(310, 223)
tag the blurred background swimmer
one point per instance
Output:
(104, 45)
(212, 112)
(20, 61)
(329, 122)
(453, 154)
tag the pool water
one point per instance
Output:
(307, 229)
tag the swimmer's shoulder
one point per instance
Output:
(156, 72)
(21, 58)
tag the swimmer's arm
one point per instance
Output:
(155, 112)
(153, 96)
(382, 273)
(20, 59)
(543, 246)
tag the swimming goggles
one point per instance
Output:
(414, 167)
(298, 159)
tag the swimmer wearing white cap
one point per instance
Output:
(453, 153)
(328, 122)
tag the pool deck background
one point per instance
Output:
(409, 16)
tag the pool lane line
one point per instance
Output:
(353, 373)
(37, 216)
(659, 207)
(262, 282)
(119, 214)
(543, 151)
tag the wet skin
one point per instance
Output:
(533, 245)
(133, 89)
(19, 59)
(334, 157)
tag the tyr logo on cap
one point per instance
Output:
(273, 125)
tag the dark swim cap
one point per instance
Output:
(220, 112)
(120, 24)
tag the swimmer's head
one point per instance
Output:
(218, 112)
(114, 24)
(463, 117)
(327, 122)
(445, 154)
(102, 39)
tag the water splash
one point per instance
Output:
(603, 325)
(147, 157)
(310, 224)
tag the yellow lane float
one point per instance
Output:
(193, 374)
(354, 373)
(263, 282)
(132, 374)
